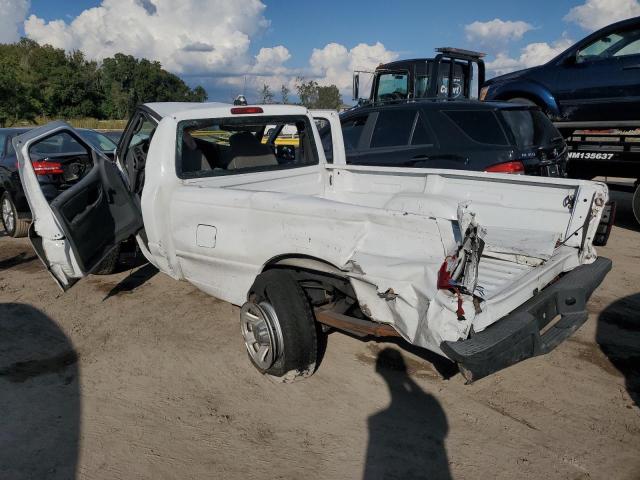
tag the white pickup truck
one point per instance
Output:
(486, 269)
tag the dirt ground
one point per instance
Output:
(135, 375)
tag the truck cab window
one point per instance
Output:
(59, 161)
(324, 129)
(393, 86)
(241, 145)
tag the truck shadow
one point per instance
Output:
(39, 396)
(16, 260)
(618, 335)
(406, 439)
(135, 279)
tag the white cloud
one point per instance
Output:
(334, 64)
(186, 36)
(12, 14)
(207, 40)
(595, 14)
(531, 55)
(496, 31)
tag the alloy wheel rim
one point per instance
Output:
(261, 333)
(8, 216)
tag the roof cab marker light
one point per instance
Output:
(516, 168)
(246, 110)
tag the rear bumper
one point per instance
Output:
(518, 335)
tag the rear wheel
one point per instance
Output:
(13, 225)
(278, 327)
(636, 203)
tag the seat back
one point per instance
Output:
(248, 152)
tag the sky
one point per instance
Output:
(229, 46)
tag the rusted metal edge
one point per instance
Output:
(357, 326)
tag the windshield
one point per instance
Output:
(531, 128)
(392, 86)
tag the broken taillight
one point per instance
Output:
(507, 167)
(47, 168)
(445, 282)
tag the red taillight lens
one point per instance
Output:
(246, 110)
(444, 274)
(47, 168)
(507, 167)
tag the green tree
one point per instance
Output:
(284, 94)
(40, 80)
(265, 94)
(307, 92)
(329, 97)
(16, 103)
(313, 95)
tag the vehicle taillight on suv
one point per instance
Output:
(47, 168)
(507, 167)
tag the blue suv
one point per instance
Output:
(594, 83)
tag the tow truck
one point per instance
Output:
(414, 78)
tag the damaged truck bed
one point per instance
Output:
(473, 266)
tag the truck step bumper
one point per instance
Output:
(522, 333)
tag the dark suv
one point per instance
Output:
(596, 80)
(463, 135)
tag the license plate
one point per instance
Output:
(590, 156)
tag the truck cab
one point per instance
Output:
(426, 77)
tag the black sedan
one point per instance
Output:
(59, 162)
(462, 135)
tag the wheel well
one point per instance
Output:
(322, 282)
(302, 261)
(528, 96)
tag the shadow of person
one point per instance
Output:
(39, 397)
(406, 439)
(618, 335)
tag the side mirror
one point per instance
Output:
(356, 86)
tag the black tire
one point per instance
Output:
(109, 264)
(20, 227)
(300, 333)
(636, 204)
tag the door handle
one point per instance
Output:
(631, 67)
(421, 157)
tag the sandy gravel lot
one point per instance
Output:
(135, 375)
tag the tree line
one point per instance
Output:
(43, 81)
(311, 94)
